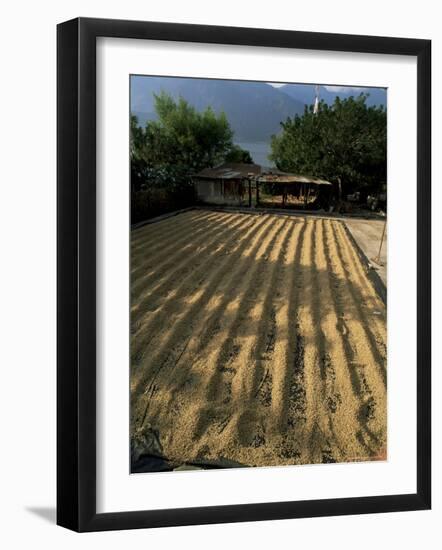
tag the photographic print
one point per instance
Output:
(257, 274)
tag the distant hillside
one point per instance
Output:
(254, 109)
(305, 93)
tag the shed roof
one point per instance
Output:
(276, 176)
(230, 170)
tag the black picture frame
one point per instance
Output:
(77, 287)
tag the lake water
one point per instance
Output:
(259, 151)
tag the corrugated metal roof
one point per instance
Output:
(237, 171)
(276, 176)
(229, 171)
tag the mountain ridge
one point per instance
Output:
(255, 110)
(306, 93)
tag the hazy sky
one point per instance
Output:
(329, 88)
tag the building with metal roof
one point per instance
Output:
(227, 184)
(237, 184)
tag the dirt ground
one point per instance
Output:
(255, 339)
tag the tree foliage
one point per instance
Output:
(167, 151)
(345, 143)
(180, 142)
(239, 155)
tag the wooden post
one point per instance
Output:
(250, 192)
(378, 257)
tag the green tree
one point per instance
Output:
(179, 143)
(167, 151)
(345, 143)
(137, 163)
(182, 136)
(238, 155)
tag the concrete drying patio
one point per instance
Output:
(368, 234)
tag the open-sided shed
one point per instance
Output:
(294, 189)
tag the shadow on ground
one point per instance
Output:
(47, 513)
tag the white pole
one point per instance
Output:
(316, 104)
